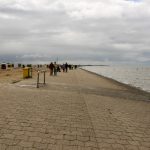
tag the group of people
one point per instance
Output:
(54, 68)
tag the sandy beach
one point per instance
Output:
(77, 110)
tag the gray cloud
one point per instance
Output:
(112, 30)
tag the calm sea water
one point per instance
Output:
(132, 75)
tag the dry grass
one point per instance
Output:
(13, 75)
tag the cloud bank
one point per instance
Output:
(90, 31)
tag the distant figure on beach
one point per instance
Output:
(55, 69)
(58, 68)
(75, 66)
(63, 67)
(66, 67)
(51, 68)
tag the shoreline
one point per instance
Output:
(127, 86)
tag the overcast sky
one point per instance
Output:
(75, 30)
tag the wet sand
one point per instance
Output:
(75, 110)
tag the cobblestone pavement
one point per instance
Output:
(74, 111)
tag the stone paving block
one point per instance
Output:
(40, 145)
(77, 133)
(134, 143)
(42, 130)
(122, 141)
(11, 142)
(139, 135)
(93, 139)
(124, 137)
(30, 148)
(76, 143)
(118, 147)
(35, 139)
(87, 148)
(101, 135)
(143, 148)
(84, 138)
(8, 136)
(29, 129)
(6, 131)
(110, 141)
(15, 128)
(13, 124)
(88, 133)
(99, 140)
(57, 136)
(25, 124)
(136, 138)
(55, 147)
(131, 147)
(16, 132)
(49, 141)
(70, 147)
(14, 148)
(117, 133)
(28, 133)
(146, 144)
(64, 132)
(26, 144)
(43, 135)
(104, 145)
(21, 137)
(146, 139)
(113, 136)
(70, 137)
(3, 147)
(63, 142)
(91, 144)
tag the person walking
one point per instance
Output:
(63, 67)
(66, 67)
(51, 68)
(55, 69)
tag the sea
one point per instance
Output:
(137, 76)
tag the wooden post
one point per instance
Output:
(38, 79)
(44, 77)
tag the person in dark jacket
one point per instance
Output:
(51, 68)
(66, 67)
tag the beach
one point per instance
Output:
(77, 110)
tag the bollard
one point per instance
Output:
(38, 79)
(44, 77)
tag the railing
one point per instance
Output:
(38, 77)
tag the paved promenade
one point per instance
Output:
(74, 111)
